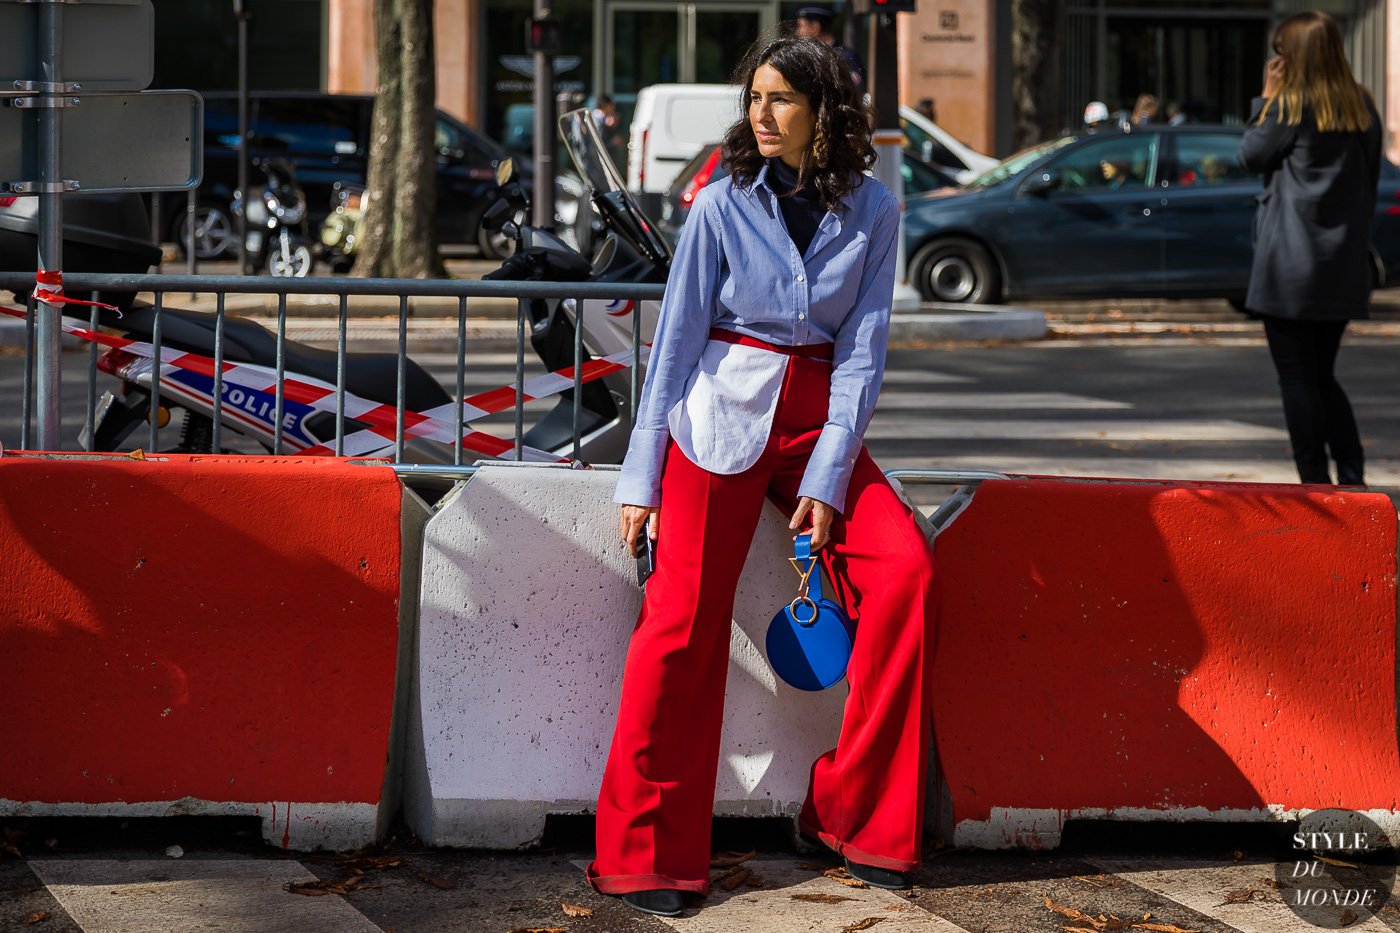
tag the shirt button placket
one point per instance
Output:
(799, 329)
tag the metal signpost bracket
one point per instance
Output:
(47, 87)
(41, 187)
(39, 103)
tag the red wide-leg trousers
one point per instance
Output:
(866, 796)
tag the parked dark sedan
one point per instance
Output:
(1162, 212)
(919, 177)
(326, 137)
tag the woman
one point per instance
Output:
(768, 357)
(1315, 135)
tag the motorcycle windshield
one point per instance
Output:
(610, 196)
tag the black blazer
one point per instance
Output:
(1312, 229)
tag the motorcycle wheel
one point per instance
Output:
(296, 264)
(215, 235)
(494, 244)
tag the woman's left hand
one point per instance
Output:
(822, 515)
(1273, 77)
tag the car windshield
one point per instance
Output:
(1018, 163)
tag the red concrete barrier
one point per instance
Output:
(1164, 651)
(194, 634)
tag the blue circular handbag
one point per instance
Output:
(809, 640)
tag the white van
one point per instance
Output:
(672, 122)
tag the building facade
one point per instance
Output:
(1206, 56)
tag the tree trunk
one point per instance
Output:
(400, 185)
(1035, 70)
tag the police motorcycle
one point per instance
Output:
(630, 251)
(276, 239)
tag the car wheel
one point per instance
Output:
(494, 244)
(215, 235)
(957, 271)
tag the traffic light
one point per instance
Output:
(867, 7)
(542, 34)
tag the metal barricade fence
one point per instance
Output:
(343, 289)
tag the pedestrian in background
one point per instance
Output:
(1315, 135)
(1096, 116)
(767, 361)
(1144, 110)
(815, 22)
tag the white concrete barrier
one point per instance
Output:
(527, 603)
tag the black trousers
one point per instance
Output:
(1316, 409)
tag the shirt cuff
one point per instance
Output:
(640, 480)
(830, 467)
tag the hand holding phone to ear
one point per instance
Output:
(1273, 76)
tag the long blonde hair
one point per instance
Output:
(1316, 75)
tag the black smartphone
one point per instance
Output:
(646, 557)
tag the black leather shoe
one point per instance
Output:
(877, 877)
(805, 843)
(664, 902)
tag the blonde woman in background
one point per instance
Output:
(1315, 135)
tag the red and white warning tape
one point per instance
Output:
(50, 291)
(435, 424)
(370, 440)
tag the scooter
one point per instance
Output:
(276, 239)
(344, 227)
(631, 251)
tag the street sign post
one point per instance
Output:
(65, 126)
(883, 56)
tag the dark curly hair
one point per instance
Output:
(841, 150)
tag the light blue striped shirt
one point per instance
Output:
(735, 267)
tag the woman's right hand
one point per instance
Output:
(634, 518)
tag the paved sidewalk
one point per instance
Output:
(1225, 881)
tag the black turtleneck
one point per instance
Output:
(802, 211)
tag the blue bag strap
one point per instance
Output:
(802, 550)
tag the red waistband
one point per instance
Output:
(821, 352)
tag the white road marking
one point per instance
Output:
(231, 896)
(903, 427)
(973, 401)
(1203, 885)
(915, 377)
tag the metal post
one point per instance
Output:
(47, 349)
(191, 263)
(883, 72)
(241, 13)
(543, 197)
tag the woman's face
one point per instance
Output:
(781, 117)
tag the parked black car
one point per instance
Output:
(1163, 212)
(326, 138)
(705, 167)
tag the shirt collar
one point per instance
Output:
(761, 181)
